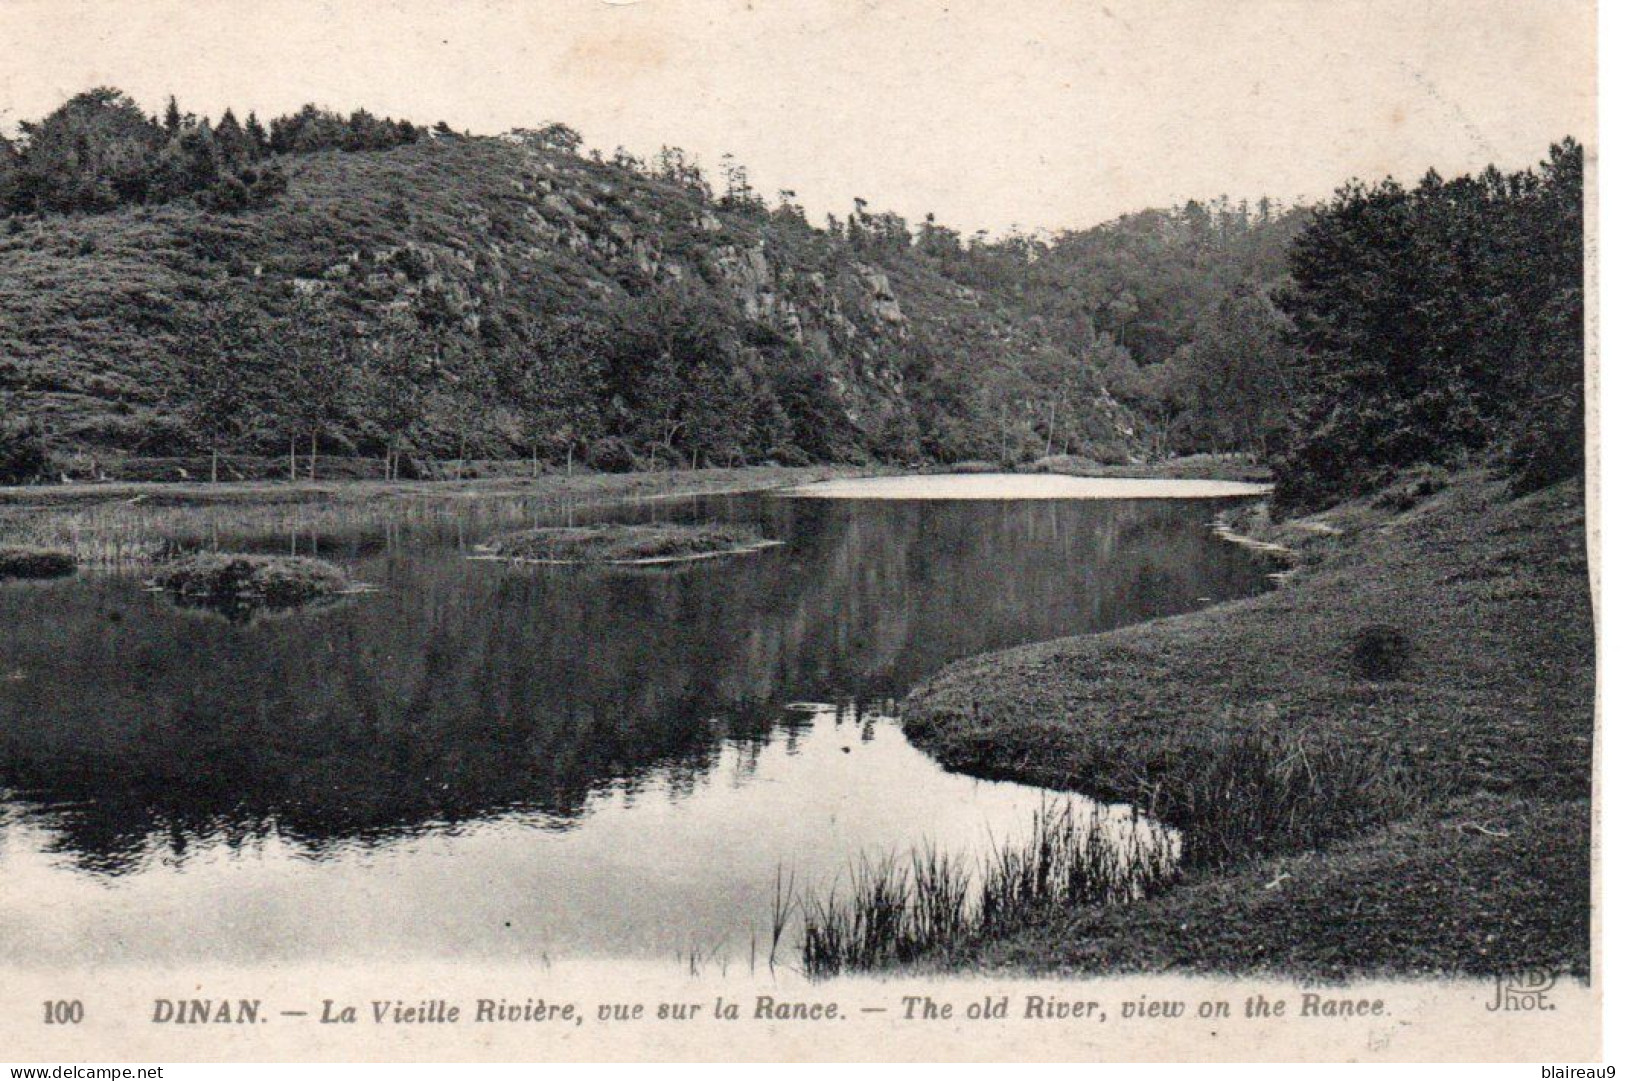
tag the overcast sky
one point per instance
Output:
(1047, 113)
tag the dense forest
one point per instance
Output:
(1172, 309)
(1435, 322)
(351, 285)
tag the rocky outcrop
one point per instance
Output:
(882, 301)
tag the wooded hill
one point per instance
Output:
(398, 289)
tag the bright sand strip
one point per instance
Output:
(1022, 486)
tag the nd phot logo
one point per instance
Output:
(1524, 991)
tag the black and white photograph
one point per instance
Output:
(848, 529)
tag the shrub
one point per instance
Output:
(790, 454)
(227, 196)
(1110, 452)
(1549, 444)
(1413, 486)
(661, 457)
(1379, 652)
(1066, 463)
(164, 436)
(23, 457)
(611, 455)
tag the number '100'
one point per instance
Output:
(64, 1011)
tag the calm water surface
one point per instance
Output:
(483, 760)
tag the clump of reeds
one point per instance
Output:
(237, 579)
(1256, 795)
(617, 543)
(27, 561)
(903, 908)
(99, 536)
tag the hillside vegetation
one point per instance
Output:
(455, 296)
(366, 287)
(362, 286)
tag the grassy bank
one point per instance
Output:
(1383, 766)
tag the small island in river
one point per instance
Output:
(26, 561)
(628, 545)
(243, 582)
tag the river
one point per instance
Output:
(481, 760)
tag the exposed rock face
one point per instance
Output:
(845, 320)
(748, 277)
(645, 256)
(882, 301)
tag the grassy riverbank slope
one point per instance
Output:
(1398, 742)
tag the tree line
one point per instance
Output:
(1386, 327)
(99, 151)
(661, 382)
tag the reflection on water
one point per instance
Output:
(484, 760)
(661, 865)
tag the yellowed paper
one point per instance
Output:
(186, 876)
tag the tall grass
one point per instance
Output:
(900, 908)
(1257, 795)
(150, 528)
(784, 903)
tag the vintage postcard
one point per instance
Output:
(823, 530)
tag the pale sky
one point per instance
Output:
(1047, 113)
